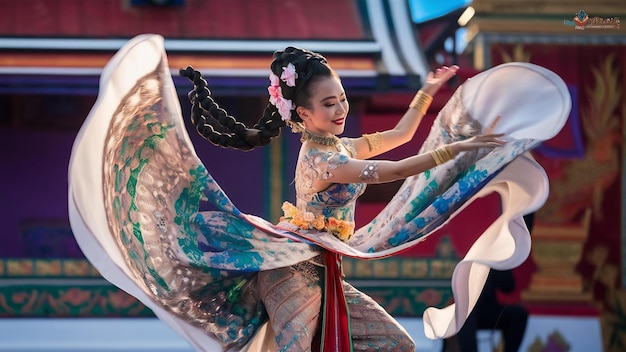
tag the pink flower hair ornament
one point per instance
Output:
(289, 75)
(283, 105)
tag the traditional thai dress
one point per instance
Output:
(135, 185)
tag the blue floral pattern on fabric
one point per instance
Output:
(200, 266)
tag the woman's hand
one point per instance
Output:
(476, 142)
(436, 79)
(487, 140)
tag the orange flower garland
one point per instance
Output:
(308, 221)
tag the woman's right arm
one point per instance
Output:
(340, 169)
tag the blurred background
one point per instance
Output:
(52, 53)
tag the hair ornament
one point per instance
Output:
(289, 75)
(284, 106)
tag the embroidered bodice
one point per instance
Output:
(337, 200)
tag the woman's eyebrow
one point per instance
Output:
(333, 97)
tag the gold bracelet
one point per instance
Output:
(374, 141)
(448, 151)
(435, 156)
(421, 101)
(442, 154)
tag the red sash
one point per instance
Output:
(336, 322)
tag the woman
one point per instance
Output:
(306, 94)
(223, 279)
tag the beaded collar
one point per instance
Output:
(316, 138)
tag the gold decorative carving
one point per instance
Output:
(557, 249)
(585, 180)
(517, 55)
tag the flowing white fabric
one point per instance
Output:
(88, 218)
(532, 102)
(523, 188)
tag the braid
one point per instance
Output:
(269, 124)
(217, 126)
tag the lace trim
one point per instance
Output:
(310, 269)
(341, 229)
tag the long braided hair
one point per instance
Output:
(216, 125)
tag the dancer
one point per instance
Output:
(306, 94)
(233, 280)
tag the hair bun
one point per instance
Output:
(300, 58)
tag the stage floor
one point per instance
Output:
(582, 334)
(120, 335)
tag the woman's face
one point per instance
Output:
(328, 108)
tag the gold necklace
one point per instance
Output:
(323, 140)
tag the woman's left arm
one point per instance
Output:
(377, 143)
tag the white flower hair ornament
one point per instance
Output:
(283, 105)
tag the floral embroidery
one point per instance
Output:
(308, 221)
(316, 165)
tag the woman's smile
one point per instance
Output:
(339, 122)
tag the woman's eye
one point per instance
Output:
(330, 105)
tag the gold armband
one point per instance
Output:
(442, 154)
(374, 140)
(421, 101)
